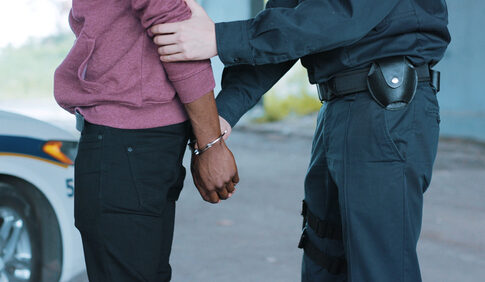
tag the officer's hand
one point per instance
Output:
(190, 40)
(215, 173)
(225, 126)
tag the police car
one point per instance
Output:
(38, 240)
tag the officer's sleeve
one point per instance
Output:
(286, 33)
(243, 86)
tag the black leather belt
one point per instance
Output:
(354, 81)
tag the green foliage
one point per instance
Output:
(292, 95)
(27, 71)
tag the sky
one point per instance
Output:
(22, 19)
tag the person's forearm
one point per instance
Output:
(204, 119)
(214, 172)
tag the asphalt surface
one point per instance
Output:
(253, 236)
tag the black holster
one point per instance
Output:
(392, 82)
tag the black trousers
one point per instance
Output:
(126, 185)
(367, 175)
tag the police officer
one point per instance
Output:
(377, 132)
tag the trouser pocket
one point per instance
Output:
(87, 173)
(143, 169)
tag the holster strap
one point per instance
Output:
(323, 228)
(334, 265)
(354, 81)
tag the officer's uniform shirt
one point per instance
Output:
(329, 36)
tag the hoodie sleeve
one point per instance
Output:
(191, 80)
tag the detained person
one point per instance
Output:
(135, 115)
(377, 132)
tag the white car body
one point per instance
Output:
(55, 181)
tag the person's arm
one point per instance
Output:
(191, 80)
(214, 171)
(276, 34)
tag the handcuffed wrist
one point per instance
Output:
(199, 151)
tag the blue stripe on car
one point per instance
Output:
(24, 145)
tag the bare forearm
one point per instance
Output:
(204, 119)
(214, 171)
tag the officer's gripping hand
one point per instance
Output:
(225, 126)
(215, 173)
(190, 40)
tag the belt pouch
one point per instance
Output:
(392, 82)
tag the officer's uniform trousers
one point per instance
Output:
(127, 183)
(368, 172)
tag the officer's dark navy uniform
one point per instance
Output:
(377, 134)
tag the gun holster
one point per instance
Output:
(392, 82)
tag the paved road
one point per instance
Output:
(253, 236)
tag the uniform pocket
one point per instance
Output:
(398, 127)
(434, 113)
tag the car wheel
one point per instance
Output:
(27, 242)
(19, 248)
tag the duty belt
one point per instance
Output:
(355, 81)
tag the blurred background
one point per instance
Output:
(254, 235)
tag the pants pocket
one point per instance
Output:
(398, 127)
(87, 173)
(154, 170)
(140, 169)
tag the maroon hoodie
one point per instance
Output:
(113, 74)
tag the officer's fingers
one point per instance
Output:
(165, 39)
(225, 126)
(169, 49)
(165, 28)
(195, 8)
(174, 58)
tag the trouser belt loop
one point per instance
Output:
(304, 213)
(355, 81)
(79, 121)
(435, 79)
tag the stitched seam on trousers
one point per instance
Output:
(347, 243)
(391, 141)
(404, 224)
(106, 266)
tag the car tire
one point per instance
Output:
(28, 222)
